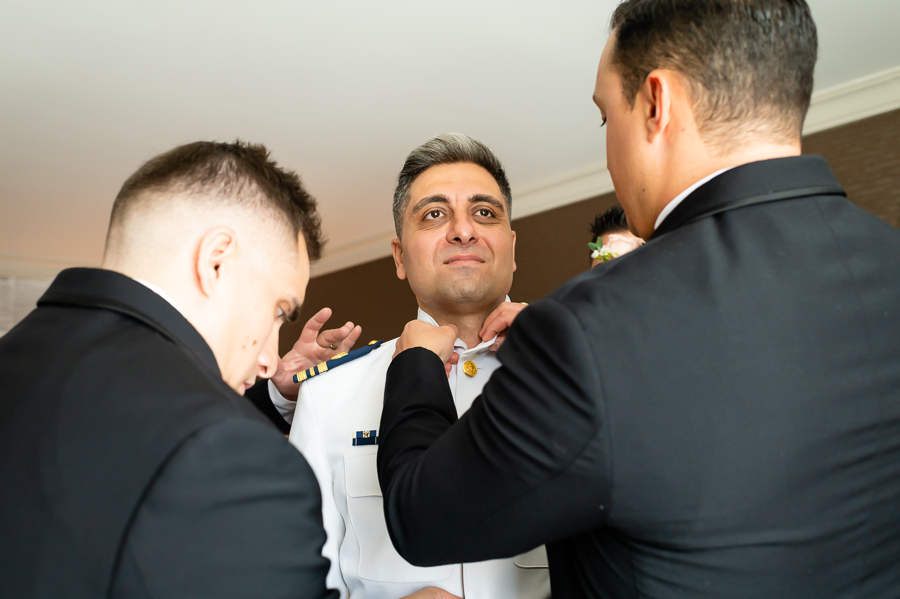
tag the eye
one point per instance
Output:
(485, 212)
(433, 214)
(289, 314)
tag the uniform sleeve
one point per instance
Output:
(285, 406)
(306, 435)
(235, 512)
(527, 464)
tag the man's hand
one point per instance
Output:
(440, 340)
(313, 348)
(432, 593)
(498, 322)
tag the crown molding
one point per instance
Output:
(584, 183)
(354, 253)
(853, 101)
(26, 267)
(831, 107)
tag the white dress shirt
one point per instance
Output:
(331, 407)
(684, 194)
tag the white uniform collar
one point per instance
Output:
(460, 344)
(681, 196)
(160, 292)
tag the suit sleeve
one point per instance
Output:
(235, 512)
(306, 435)
(527, 464)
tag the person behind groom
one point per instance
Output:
(129, 464)
(714, 414)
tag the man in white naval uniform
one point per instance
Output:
(457, 249)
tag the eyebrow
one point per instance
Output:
(488, 200)
(442, 199)
(435, 199)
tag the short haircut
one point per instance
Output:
(609, 222)
(749, 63)
(446, 148)
(228, 174)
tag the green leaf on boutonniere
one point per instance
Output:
(593, 247)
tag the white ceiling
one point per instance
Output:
(340, 91)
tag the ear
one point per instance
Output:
(216, 253)
(656, 100)
(514, 249)
(397, 250)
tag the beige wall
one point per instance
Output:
(552, 246)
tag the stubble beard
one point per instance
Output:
(467, 291)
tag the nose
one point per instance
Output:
(462, 229)
(267, 362)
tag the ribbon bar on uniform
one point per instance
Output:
(366, 438)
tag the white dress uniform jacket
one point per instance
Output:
(331, 408)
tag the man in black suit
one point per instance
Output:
(129, 464)
(715, 414)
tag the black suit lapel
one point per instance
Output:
(108, 290)
(757, 182)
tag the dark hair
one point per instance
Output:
(230, 173)
(608, 222)
(446, 148)
(748, 62)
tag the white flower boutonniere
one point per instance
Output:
(601, 252)
(615, 247)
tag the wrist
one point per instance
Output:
(287, 388)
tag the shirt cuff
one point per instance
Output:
(284, 406)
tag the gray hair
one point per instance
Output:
(446, 148)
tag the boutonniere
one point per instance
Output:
(601, 252)
(617, 245)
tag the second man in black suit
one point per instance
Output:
(714, 414)
(129, 464)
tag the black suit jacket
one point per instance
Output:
(258, 395)
(128, 468)
(715, 414)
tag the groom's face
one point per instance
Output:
(457, 249)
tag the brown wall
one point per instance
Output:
(551, 247)
(865, 157)
(368, 294)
